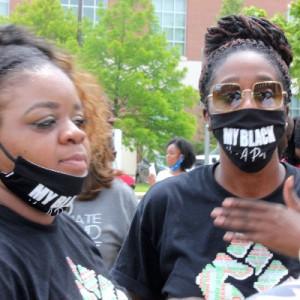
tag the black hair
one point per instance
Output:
(186, 149)
(293, 143)
(242, 33)
(20, 49)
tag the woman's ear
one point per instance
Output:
(287, 112)
(207, 119)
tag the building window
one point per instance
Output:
(172, 19)
(89, 7)
(294, 106)
(4, 7)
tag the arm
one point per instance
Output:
(151, 179)
(274, 225)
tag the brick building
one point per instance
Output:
(185, 23)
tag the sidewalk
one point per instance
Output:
(140, 195)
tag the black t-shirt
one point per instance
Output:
(57, 261)
(173, 248)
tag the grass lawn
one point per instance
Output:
(141, 187)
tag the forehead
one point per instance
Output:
(245, 66)
(47, 83)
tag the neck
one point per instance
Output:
(11, 201)
(250, 185)
(179, 171)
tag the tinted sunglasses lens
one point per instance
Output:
(267, 94)
(226, 96)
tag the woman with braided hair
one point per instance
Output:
(173, 249)
(45, 144)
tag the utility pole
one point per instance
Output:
(79, 35)
(207, 135)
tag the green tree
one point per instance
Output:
(229, 7)
(292, 30)
(139, 73)
(254, 11)
(291, 27)
(47, 19)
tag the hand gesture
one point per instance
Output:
(274, 225)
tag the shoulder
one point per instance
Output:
(120, 185)
(69, 226)
(123, 192)
(193, 178)
(175, 188)
(163, 174)
(292, 171)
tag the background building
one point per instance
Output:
(185, 23)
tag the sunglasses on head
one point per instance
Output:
(229, 96)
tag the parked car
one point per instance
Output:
(214, 156)
(142, 170)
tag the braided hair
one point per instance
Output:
(241, 33)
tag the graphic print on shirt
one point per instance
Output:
(259, 262)
(91, 223)
(94, 287)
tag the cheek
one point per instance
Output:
(6, 165)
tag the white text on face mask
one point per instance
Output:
(248, 138)
(40, 192)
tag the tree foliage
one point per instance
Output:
(291, 27)
(292, 30)
(254, 11)
(47, 19)
(140, 75)
(230, 7)
(134, 63)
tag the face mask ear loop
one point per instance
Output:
(7, 153)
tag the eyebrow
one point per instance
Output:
(51, 105)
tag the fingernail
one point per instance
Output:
(227, 202)
(216, 211)
(219, 220)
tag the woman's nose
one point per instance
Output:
(71, 133)
(248, 101)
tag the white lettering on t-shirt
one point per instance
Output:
(91, 223)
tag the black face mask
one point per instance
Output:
(47, 190)
(249, 137)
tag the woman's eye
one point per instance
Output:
(233, 96)
(45, 123)
(80, 122)
(266, 94)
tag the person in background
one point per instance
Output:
(288, 135)
(106, 205)
(48, 113)
(180, 156)
(291, 153)
(173, 249)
